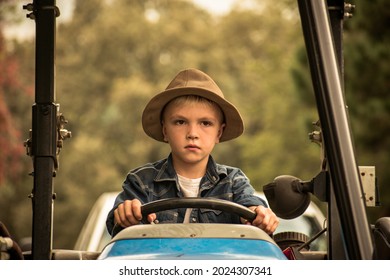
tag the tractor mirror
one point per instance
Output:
(288, 196)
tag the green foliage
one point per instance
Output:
(367, 69)
(16, 93)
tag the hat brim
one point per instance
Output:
(151, 117)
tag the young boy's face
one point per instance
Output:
(192, 129)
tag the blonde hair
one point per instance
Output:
(192, 99)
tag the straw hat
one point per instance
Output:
(191, 82)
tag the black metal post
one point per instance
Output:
(335, 238)
(326, 70)
(43, 142)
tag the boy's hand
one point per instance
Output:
(265, 219)
(128, 213)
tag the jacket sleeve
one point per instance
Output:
(243, 191)
(132, 188)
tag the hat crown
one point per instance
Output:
(191, 82)
(194, 78)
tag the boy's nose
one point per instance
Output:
(191, 136)
(191, 133)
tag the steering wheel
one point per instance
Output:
(192, 202)
(197, 202)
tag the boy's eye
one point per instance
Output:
(179, 122)
(207, 123)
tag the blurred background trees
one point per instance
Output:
(112, 56)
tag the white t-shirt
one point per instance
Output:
(190, 188)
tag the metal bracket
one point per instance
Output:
(346, 10)
(61, 135)
(369, 183)
(31, 7)
(316, 137)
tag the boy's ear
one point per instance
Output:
(164, 132)
(220, 132)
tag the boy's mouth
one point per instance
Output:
(192, 147)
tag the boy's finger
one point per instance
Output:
(136, 209)
(152, 217)
(129, 219)
(120, 216)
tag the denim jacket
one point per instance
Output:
(158, 180)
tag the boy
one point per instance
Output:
(192, 116)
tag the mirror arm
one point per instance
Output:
(318, 186)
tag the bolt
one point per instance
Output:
(348, 15)
(28, 7)
(31, 16)
(349, 8)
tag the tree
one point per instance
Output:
(367, 57)
(15, 99)
(258, 66)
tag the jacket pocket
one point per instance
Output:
(167, 217)
(210, 212)
(218, 216)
